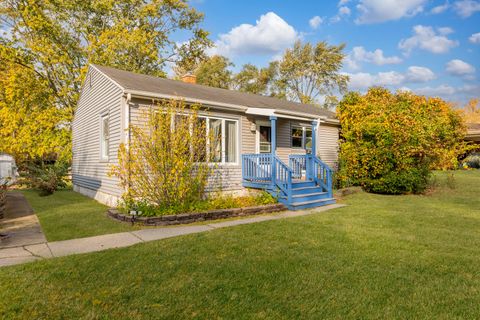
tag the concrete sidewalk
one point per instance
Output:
(20, 224)
(27, 253)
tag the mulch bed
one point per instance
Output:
(185, 218)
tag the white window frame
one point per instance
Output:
(223, 144)
(304, 136)
(104, 152)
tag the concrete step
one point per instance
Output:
(310, 204)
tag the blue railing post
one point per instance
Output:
(273, 133)
(311, 164)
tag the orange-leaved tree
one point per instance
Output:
(390, 142)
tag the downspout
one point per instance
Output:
(127, 136)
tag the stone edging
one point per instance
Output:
(185, 218)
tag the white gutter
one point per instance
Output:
(146, 94)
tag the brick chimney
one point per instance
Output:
(189, 78)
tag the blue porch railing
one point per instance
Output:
(298, 163)
(322, 175)
(268, 171)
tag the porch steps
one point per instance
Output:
(305, 195)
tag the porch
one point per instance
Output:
(305, 182)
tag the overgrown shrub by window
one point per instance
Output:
(164, 164)
(391, 141)
(45, 177)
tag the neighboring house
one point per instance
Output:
(473, 132)
(266, 142)
(8, 169)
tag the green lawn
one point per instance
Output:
(381, 257)
(68, 215)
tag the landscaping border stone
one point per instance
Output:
(185, 218)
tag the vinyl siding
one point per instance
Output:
(99, 96)
(327, 145)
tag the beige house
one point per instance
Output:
(473, 132)
(285, 147)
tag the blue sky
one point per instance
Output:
(429, 47)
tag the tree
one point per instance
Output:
(165, 170)
(214, 72)
(472, 111)
(31, 126)
(56, 40)
(390, 142)
(306, 72)
(254, 80)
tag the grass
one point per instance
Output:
(381, 257)
(69, 215)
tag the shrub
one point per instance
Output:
(411, 181)
(215, 202)
(472, 161)
(387, 138)
(165, 164)
(47, 178)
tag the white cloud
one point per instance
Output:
(475, 38)
(441, 90)
(419, 74)
(344, 11)
(359, 54)
(439, 9)
(363, 80)
(270, 35)
(414, 74)
(343, 2)
(465, 8)
(427, 39)
(376, 11)
(460, 68)
(315, 22)
(445, 31)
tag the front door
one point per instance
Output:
(264, 138)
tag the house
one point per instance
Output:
(8, 169)
(473, 133)
(267, 143)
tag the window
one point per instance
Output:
(297, 137)
(105, 137)
(222, 142)
(230, 141)
(215, 127)
(302, 137)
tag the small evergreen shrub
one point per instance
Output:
(472, 161)
(46, 178)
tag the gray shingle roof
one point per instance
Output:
(139, 82)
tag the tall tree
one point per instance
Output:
(307, 72)
(30, 125)
(214, 72)
(472, 111)
(254, 80)
(59, 38)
